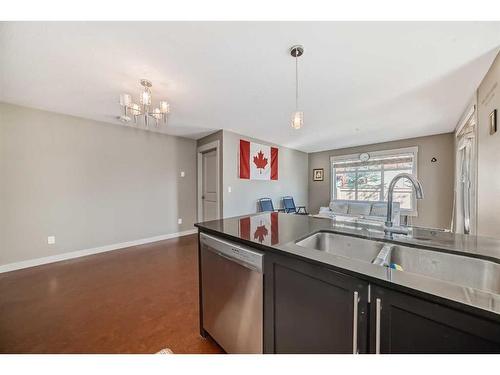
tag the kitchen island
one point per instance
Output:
(341, 287)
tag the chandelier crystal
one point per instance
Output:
(297, 116)
(132, 110)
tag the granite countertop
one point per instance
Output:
(285, 228)
(279, 232)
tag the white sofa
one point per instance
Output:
(350, 210)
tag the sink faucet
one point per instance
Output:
(419, 194)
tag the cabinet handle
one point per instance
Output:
(378, 307)
(355, 324)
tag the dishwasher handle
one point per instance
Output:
(235, 260)
(246, 257)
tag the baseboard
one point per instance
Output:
(96, 250)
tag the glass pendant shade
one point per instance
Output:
(135, 109)
(125, 100)
(157, 114)
(297, 120)
(146, 97)
(164, 106)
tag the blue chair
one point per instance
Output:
(291, 208)
(266, 205)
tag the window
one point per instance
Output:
(369, 180)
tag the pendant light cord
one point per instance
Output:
(296, 80)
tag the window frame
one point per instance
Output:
(390, 152)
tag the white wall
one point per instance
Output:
(292, 178)
(88, 183)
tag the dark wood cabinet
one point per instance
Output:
(312, 309)
(408, 324)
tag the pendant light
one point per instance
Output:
(297, 116)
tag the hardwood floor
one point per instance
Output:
(135, 300)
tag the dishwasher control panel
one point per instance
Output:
(241, 254)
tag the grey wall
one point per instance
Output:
(488, 183)
(292, 178)
(435, 210)
(88, 183)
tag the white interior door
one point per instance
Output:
(209, 193)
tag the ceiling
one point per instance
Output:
(361, 82)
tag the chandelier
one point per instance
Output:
(297, 116)
(144, 110)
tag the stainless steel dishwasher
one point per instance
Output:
(232, 294)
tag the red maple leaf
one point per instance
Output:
(260, 161)
(260, 233)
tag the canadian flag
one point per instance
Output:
(258, 162)
(263, 228)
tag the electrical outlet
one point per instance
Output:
(51, 240)
(229, 189)
(179, 221)
(183, 174)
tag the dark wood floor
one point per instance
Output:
(136, 300)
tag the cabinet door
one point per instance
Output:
(312, 309)
(406, 324)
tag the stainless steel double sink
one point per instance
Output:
(458, 269)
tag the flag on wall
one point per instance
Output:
(258, 162)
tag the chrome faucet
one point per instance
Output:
(419, 194)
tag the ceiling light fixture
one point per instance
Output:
(298, 116)
(135, 110)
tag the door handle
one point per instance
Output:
(378, 307)
(202, 197)
(355, 324)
